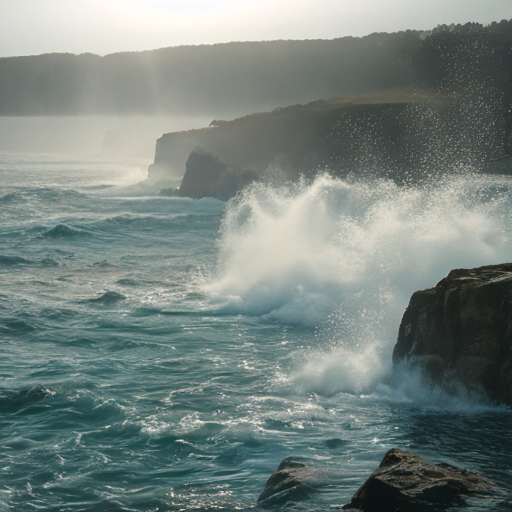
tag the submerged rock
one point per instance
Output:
(404, 482)
(460, 332)
(289, 482)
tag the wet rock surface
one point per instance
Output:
(459, 333)
(404, 482)
(289, 482)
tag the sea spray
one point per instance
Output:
(345, 257)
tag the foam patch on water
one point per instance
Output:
(341, 369)
(347, 256)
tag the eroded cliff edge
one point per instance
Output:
(460, 332)
(401, 135)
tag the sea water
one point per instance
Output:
(164, 353)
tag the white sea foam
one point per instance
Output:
(346, 257)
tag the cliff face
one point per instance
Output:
(402, 136)
(460, 331)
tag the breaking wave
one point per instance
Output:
(345, 257)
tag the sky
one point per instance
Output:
(33, 27)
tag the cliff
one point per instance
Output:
(460, 332)
(463, 117)
(401, 135)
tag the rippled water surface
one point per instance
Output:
(162, 353)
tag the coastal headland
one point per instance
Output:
(401, 135)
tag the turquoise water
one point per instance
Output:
(163, 353)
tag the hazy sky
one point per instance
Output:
(31, 27)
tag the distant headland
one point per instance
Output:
(455, 113)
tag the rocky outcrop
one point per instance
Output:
(289, 482)
(404, 482)
(460, 332)
(400, 135)
(202, 171)
(208, 176)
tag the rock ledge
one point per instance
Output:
(404, 482)
(460, 332)
(287, 483)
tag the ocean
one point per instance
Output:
(164, 354)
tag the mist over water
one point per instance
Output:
(123, 136)
(345, 257)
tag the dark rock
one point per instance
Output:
(460, 332)
(207, 175)
(288, 483)
(203, 169)
(230, 182)
(404, 482)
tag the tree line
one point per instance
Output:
(244, 77)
